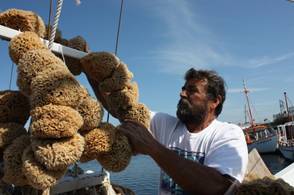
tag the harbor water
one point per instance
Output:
(142, 174)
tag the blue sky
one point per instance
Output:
(160, 39)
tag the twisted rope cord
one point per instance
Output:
(55, 24)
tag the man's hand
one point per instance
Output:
(140, 138)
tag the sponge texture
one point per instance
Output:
(119, 156)
(32, 63)
(9, 132)
(23, 20)
(13, 161)
(37, 176)
(92, 112)
(100, 65)
(60, 153)
(98, 141)
(14, 107)
(57, 87)
(54, 121)
(22, 43)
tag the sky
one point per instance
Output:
(161, 39)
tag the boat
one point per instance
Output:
(260, 136)
(286, 140)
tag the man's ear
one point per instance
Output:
(216, 102)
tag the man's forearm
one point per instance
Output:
(191, 176)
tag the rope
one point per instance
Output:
(49, 19)
(11, 74)
(117, 37)
(55, 24)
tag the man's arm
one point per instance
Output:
(191, 176)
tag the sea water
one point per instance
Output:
(142, 174)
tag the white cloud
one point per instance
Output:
(187, 42)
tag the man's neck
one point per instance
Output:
(195, 128)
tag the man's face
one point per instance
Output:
(193, 105)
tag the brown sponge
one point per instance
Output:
(118, 80)
(14, 107)
(58, 154)
(23, 43)
(99, 65)
(54, 121)
(74, 65)
(23, 20)
(92, 112)
(121, 100)
(34, 62)
(37, 176)
(10, 131)
(57, 87)
(139, 113)
(118, 158)
(13, 161)
(98, 141)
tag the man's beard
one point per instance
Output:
(188, 113)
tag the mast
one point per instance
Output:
(286, 101)
(246, 91)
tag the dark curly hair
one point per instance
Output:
(215, 85)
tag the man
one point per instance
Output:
(197, 153)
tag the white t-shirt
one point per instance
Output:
(220, 145)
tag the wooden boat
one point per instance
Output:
(286, 140)
(259, 136)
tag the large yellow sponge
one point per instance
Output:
(98, 141)
(57, 87)
(37, 176)
(99, 65)
(118, 158)
(23, 43)
(9, 132)
(34, 62)
(54, 121)
(13, 161)
(58, 154)
(14, 107)
(23, 20)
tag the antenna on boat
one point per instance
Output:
(287, 107)
(246, 91)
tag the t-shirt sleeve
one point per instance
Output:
(228, 152)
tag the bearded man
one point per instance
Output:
(197, 153)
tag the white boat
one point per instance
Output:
(286, 139)
(260, 136)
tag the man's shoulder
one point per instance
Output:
(162, 116)
(226, 128)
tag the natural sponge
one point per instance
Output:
(13, 161)
(120, 101)
(57, 87)
(100, 65)
(37, 176)
(74, 65)
(266, 186)
(98, 141)
(9, 132)
(23, 20)
(54, 121)
(92, 112)
(118, 80)
(22, 43)
(32, 63)
(14, 107)
(118, 158)
(58, 154)
(139, 113)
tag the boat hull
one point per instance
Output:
(266, 145)
(287, 152)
